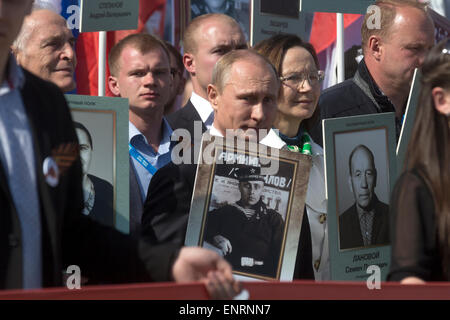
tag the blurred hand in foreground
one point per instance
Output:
(206, 266)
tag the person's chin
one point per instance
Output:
(304, 111)
(66, 85)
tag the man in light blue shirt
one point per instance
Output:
(140, 71)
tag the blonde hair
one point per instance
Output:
(191, 32)
(140, 41)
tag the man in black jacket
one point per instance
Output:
(42, 229)
(391, 53)
(243, 93)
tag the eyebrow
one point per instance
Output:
(57, 37)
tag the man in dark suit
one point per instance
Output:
(366, 222)
(42, 229)
(243, 93)
(206, 39)
(391, 51)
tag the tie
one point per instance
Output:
(366, 227)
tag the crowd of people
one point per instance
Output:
(49, 223)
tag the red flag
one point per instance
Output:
(87, 48)
(323, 32)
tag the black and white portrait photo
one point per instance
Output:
(283, 8)
(245, 222)
(362, 188)
(237, 9)
(95, 132)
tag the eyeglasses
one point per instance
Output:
(297, 79)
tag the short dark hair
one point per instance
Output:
(140, 41)
(176, 54)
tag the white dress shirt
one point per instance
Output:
(204, 109)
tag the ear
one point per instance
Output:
(18, 55)
(189, 63)
(114, 85)
(441, 100)
(374, 47)
(213, 96)
(350, 185)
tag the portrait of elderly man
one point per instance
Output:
(248, 233)
(366, 222)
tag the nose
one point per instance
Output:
(68, 52)
(305, 86)
(258, 112)
(148, 79)
(364, 182)
(421, 59)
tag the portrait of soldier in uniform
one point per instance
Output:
(366, 222)
(248, 233)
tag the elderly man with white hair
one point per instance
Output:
(45, 47)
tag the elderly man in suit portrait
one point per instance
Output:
(365, 223)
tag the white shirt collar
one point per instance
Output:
(203, 108)
(271, 139)
(167, 132)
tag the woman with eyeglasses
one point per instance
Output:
(420, 205)
(298, 68)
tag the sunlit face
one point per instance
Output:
(214, 39)
(406, 45)
(144, 79)
(363, 178)
(250, 191)
(248, 99)
(49, 52)
(12, 14)
(85, 150)
(299, 101)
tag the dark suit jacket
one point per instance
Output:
(353, 97)
(68, 236)
(184, 119)
(166, 213)
(350, 231)
(136, 201)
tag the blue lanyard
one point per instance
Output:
(139, 158)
